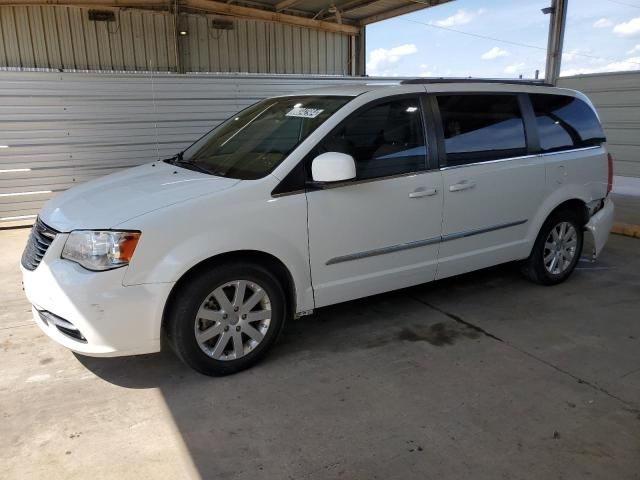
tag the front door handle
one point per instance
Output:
(463, 185)
(423, 192)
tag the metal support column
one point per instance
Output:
(361, 52)
(557, 21)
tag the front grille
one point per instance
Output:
(63, 326)
(39, 240)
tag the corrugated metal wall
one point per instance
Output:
(64, 38)
(61, 129)
(263, 47)
(617, 99)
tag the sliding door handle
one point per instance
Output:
(423, 192)
(463, 185)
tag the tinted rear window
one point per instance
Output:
(481, 127)
(565, 122)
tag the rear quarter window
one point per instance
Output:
(565, 122)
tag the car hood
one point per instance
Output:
(108, 201)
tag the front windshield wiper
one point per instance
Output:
(178, 160)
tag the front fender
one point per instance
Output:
(176, 239)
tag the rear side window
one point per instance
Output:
(384, 139)
(480, 127)
(565, 122)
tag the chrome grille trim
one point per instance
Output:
(38, 243)
(64, 326)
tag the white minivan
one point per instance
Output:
(316, 198)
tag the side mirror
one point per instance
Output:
(333, 167)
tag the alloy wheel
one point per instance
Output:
(233, 320)
(560, 248)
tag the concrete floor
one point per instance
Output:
(627, 208)
(484, 376)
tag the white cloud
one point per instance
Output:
(494, 53)
(425, 71)
(632, 63)
(381, 60)
(635, 49)
(628, 29)
(515, 68)
(459, 18)
(574, 53)
(575, 71)
(603, 23)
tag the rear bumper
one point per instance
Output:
(112, 320)
(599, 226)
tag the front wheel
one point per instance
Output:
(557, 249)
(224, 320)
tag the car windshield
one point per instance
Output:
(255, 141)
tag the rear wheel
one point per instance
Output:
(225, 320)
(557, 249)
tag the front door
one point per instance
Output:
(380, 231)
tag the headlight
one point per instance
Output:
(100, 250)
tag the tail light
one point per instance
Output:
(610, 174)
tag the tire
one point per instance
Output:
(549, 245)
(199, 320)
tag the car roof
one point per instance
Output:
(437, 86)
(346, 89)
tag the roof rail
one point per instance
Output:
(418, 81)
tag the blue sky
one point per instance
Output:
(601, 36)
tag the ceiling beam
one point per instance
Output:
(346, 7)
(416, 5)
(90, 3)
(208, 6)
(266, 15)
(281, 5)
(354, 4)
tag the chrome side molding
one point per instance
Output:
(422, 243)
(384, 250)
(478, 231)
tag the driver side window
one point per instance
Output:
(384, 139)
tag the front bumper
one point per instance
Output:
(113, 320)
(599, 226)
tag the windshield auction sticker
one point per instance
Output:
(304, 112)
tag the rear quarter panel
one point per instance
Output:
(578, 174)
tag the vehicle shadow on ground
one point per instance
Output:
(314, 356)
(358, 324)
(382, 364)
(330, 329)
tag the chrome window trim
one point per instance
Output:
(520, 157)
(286, 194)
(498, 160)
(592, 147)
(360, 181)
(312, 186)
(421, 243)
